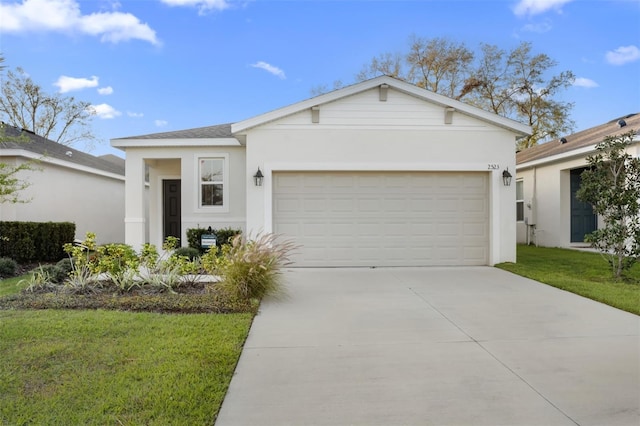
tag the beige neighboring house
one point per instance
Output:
(548, 176)
(67, 186)
(380, 173)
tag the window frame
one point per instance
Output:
(520, 201)
(199, 207)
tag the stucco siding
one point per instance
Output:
(182, 163)
(94, 203)
(437, 148)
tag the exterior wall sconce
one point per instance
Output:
(506, 177)
(258, 178)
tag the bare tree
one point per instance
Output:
(516, 84)
(439, 64)
(24, 104)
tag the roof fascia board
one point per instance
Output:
(52, 160)
(147, 143)
(514, 126)
(579, 152)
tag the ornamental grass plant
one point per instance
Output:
(251, 268)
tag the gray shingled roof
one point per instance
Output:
(217, 131)
(48, 148)
(584, 138)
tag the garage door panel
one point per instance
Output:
(383, 218)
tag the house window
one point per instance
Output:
(519, 201)
(212, 174)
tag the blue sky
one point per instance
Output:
(158, 65)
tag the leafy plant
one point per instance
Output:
(81, 280)
(612, 186)
(223, 236)
(55, 273)
(166, 277)
(114, 259)
(188, 252)
(252, 268)
(8, 267)
(39, 280)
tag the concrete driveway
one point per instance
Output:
(434, 346)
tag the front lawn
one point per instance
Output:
(119, 368)
(12, 285)
(583, 273)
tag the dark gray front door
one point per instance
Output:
(172, 218)
(583, 220)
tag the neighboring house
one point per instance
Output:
(381, 173)
(67, 185)
(548, 177)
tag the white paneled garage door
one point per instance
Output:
(384, 218)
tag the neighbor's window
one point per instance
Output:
(211, 182)
(519, 201)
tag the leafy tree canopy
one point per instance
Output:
(612, 186)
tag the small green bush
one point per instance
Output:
(223, 236)
(8, 267)
(188, 252)
(35, 241)
(55, 273)
(65, 265)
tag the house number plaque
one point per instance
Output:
(493, 166)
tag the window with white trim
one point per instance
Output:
(519, 201)
(212, 174)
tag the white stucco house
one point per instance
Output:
(67, 185)
(547, 179)
(380, 173)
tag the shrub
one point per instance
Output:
(8, 267)
(188, 252)
(252, 268)
(223, 236)
(39, 280)
(114, 259)
(65, 265)
(226, 235)
(35, 241)
(55, 273)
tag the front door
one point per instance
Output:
(583, 220)
(172, 218)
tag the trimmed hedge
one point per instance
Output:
(223, 236)
(35, 241)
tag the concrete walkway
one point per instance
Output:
(434, 346)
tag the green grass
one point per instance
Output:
(12, 285)
(118, 368)
(579, 272)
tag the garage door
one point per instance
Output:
(383, 218)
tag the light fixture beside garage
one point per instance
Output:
(258, 178)
(506, 177)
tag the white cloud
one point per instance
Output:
(202, 5)
(135, 114)
(67, 84)
(160, 123)
(584, 82)
(270, 69)
(105, 90)
(65, 16)
(623, 55)
(535, 7)
(105, 111)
